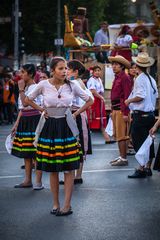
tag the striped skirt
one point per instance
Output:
(23, 141)
(84, 134)
(57, 148)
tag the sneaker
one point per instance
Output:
(115, 160)
(138, 174)
(120, 162)
(148, 172)
(38, 186)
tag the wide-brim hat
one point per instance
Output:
(121, 60)
(143, 60)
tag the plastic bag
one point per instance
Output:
(142, 156)
(109, 128)
(9, 143)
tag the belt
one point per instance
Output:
(142, 112)
(116, 108)
(30, 112)
(116, 104)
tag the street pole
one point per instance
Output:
(16, 35)
(58, 26)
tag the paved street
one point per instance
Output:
(107, 206)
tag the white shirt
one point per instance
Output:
(143, 89)
(77, 101)
(101, 37)
(50, 94)
(124, 41)
(38, 100)
(95, 83)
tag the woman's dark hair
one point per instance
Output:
(132, 64)
(77, 65)
(86, 75)
(144, 70)
(47, 73)
(124, 30)
(30, 69)
(54, 63)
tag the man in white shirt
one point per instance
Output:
(102, 37)
(142, 103)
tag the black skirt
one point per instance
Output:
(23, 141)
(82, 133)
(57, 148)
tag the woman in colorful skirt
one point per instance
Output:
(96, 113)
(58, 147)
(25, 126)
(75, 72)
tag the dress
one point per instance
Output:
(23, 141)
(82, 124)
(124, 41)
(57, 148)
(96, 113)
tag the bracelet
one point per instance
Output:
(22, 90)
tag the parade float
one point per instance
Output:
(79, 45)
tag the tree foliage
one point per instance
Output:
(39, 20)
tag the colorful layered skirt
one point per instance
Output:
(23, 141)
(57, 149)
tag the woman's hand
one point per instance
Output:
(74, 115)
(14, 129)
(45, 114)
(21, 84)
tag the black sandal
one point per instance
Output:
(61, 213)
(54, 211)
(22, 185)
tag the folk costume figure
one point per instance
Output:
(75, 72)
(142, 102)
(124, 40)
(120, 91)
(25, 126)
(58, 148)
(96, 113)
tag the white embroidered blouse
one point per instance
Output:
(63, 97)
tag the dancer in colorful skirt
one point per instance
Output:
(25, 126)
(96, 113)
(75, 71)
(58, 147)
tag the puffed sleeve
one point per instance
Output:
(91, 84)
(79, 92)
(36, 91)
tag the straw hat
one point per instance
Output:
(143, 60)
(121, 60)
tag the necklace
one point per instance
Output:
(59, 92)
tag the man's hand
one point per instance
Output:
(127, 102)
(153, 130)
(126, 118)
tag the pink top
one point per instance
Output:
(50, 94)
